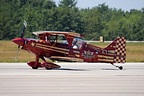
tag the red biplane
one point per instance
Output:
(69, 46)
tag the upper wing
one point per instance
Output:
(73, 34)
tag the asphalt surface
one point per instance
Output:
(73, 79)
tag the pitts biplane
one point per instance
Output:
(69, 46)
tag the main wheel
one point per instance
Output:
(34, 67)
(50, 65)
(33, 64)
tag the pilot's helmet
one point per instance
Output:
(75, 41)
(41, 36)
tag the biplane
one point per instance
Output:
(69, 47)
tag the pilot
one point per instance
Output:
(42, 38)
(75, 45)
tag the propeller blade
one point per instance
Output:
(16, 58)
(25, 23)
(23, 29)
(21, 36)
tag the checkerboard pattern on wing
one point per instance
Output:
(120, 50)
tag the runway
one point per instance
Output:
(72, 79)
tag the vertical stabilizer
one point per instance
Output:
(119, 47)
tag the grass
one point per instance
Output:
(8, 51)
(135, 52)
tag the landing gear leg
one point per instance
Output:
(120, 67)
(36, 63)
(48, 65)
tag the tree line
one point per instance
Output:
(93, 22)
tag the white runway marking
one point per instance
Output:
(73, 79)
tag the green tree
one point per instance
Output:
(68, 3)
(92, 22)
(69, 19)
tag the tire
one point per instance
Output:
(34, 67)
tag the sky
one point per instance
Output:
(125, 5)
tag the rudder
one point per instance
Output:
(118, 50)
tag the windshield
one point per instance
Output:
(77, 43)
(57, 39)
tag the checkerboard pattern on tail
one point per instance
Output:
(120, 50)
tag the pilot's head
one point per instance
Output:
(41, 36)
(75, 40)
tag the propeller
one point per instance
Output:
(21, 36)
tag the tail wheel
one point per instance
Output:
(120, 67)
